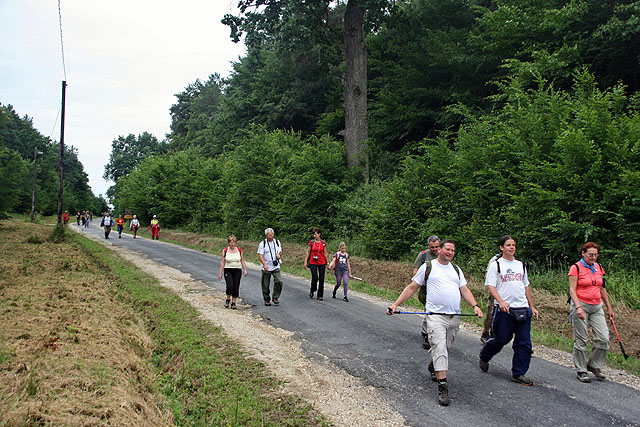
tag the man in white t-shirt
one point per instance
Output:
(269, 252)
(445, 285)
(508, 285)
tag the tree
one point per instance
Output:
(127, 152)
(290, 18)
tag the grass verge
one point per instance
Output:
(92, 339)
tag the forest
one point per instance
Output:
(18, 142)
(384, 122)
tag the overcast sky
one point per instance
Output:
(125, 61)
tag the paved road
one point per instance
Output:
(385, 352)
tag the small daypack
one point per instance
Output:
(422, 292)
(604, 281)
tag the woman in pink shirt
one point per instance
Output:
(588, 293)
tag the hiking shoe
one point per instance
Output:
(597, 373)
(484, 337)
(334, 295)
(226, 303)
(425, 342)
(521, 379)
(233, 306)
(432, 372)
(484, 366)
(319, 298)
(443, 394)
(583, 377)
(345, 299)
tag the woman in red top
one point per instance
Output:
(588, 292)
(316, 259)
(120, 224)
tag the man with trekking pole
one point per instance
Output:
(445, 284)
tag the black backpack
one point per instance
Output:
(422, 292)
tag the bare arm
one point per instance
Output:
(264, 264)
(468, 297)
(407, 292)
(223, 261)
(605, 298)
(573, 285)
(504, 306)
(244, 265)
(534, 311)
(306, 257)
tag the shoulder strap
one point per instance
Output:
(239, 249)
(427, 271)
(424, 256)
(457, 269)
(224, 252)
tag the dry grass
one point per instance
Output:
(70, 353)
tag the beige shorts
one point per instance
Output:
(442, 331)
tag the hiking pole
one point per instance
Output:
(430, 312)
(356, 278)
(626, 356)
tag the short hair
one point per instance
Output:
(342, 244)
(504, 239)
(269, 230)
(445, 241)
(231, 237)
(433, 239)
(589, 245)
(317, 230)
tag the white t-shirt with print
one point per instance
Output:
(510, 282)
(443, 287)
(270, 252)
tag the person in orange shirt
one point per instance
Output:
(588, 295)
(120, 223)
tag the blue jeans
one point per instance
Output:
(504, 327)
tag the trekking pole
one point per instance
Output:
(626, 356)
(429, 313)
(356, 278)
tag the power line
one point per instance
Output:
(55, 123)
(64, 68)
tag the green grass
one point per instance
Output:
(206, 378)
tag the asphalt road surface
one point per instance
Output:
(386, 353)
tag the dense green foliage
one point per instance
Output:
(18, 139)
(485, 117)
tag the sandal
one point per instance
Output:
(267, 303)
(226, 303)
(233, 306)
(275, 301)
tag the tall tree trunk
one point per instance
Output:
(356, 122)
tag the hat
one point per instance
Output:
(154, 216)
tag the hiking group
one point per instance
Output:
(441, 284)
(107, 222)
(270, 255)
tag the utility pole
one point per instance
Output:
(61, 164)
(33, 191)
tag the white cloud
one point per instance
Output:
(124, 59)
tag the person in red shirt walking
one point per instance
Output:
(316, 259)
(120, 224)
(65, 217)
